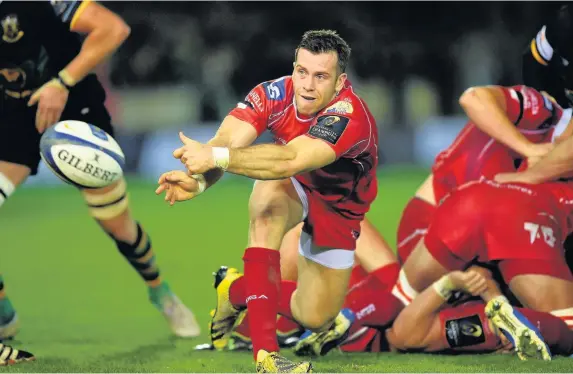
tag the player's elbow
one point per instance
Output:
(120, 31)
(112, 29)
(470, 97)
(406, 336)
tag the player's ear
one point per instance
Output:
(340, 81)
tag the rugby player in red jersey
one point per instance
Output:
(322, 173)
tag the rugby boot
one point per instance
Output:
(225, 316)
(290, 339)
(272, 362)
(181, 319)
(11, 356)
(319, 344)
(526, 338)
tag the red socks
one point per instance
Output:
(372, 300)
(262, 288)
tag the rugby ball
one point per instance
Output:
(82, 154)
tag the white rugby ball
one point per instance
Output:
(82, 154)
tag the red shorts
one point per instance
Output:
(487, 221)
(328, 228)
(466, 328)
(414, 223)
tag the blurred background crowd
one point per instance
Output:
(186, 64)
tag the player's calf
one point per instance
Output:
(322, 284)
(9, 323)
(109, 206)
(413, 225)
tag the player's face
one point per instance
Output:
(316, 80)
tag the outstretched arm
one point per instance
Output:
(233, 133)
(265, 161)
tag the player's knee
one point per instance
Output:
(266, 203)
(316, 322)
(108, 203)
(6, 188)
(312, 316)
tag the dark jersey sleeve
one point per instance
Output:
(68, 11)
(546, 62)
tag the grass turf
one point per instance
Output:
(84, 310)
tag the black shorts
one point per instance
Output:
(19, 139)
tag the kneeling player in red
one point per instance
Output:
(506, 124)
(519, 227)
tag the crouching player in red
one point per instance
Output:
(506, 124)
(323, 173)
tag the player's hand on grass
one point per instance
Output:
(197, 157)
(178, 186)
(469, 281)
(51, 99)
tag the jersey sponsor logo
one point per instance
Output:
(465, 331)
(530, 101)
(329, 128)
(471, 329)
(540, 232)
(340, 107)
(11, 29)
(255, 99)
(275, 90)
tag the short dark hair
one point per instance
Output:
(324, 41)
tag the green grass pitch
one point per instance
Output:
(84, 310)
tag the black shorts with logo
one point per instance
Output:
(19, 139)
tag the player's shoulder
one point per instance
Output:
(279, 89)
(348, 104)
(272, 95)
(66, 10)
